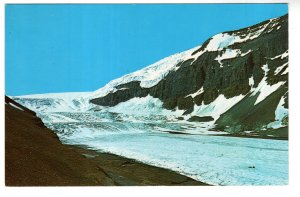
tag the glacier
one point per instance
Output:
(158, 138)
(216, 160)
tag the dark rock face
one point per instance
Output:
(124, 93)
(230, 79)
(201, 119)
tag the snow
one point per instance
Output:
(251, 81)
(278, 69)
(228, 54)
(139, 128)
(217, 107)
(150, 75)
(143, 106)
(280, 113)
(193, 95)
(220, 41)
(243, 54)
(263, 88)
(285, 71)
(285, 54)
(265, 69)
(13, 105)
(282, 56)
(56, 102)
(65, 95)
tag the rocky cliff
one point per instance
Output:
(251, 63)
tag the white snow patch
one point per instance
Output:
(13, 105)
(280, 113)
(217, 107)
(285, 71)
(265, 68)
(228, 54)
(243, 54)
(282, 56)
(265, 90)
(143, 106)
(285, 54)
(195, 93)
(251, 81)
(220, 41)
(278, 69)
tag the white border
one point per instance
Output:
(294, 105)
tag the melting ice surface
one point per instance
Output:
(217, 160)
(158, 138)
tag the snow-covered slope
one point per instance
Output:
(56, 102)
(150, 75)
(218, 54)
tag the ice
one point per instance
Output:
(216, 160)
(56, 102)
(55, 118)
(13, 105)
(65, 95)
(143, 106)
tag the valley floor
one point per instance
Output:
(35, 157)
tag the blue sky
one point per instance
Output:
(73, 48)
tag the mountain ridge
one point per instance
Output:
(226, 64)
(229, 72)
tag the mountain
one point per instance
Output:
(236, 81)
(245, 71)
